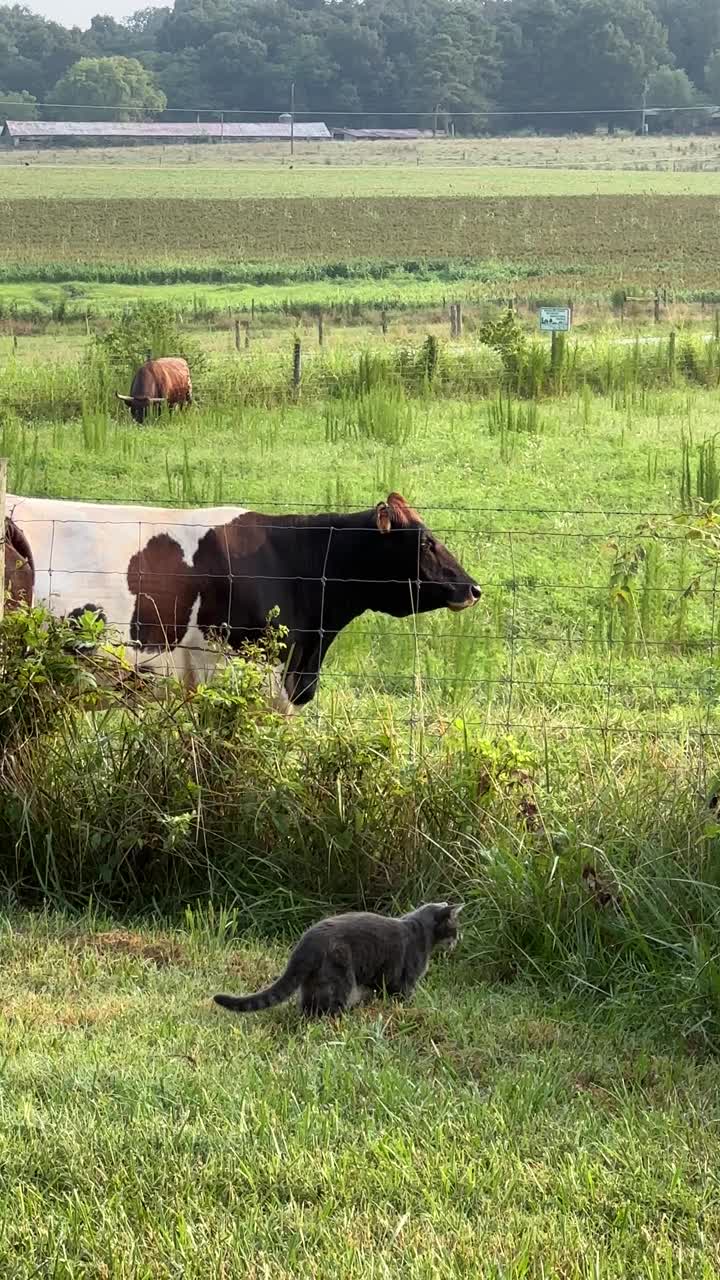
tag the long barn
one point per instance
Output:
(34, 133)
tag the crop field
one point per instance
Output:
(580, 241)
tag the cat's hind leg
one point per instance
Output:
(332, 988)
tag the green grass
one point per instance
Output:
(242, 182)
(499, 498)
(480, 1131)
(394, 293)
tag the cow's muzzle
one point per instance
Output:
(471, 597)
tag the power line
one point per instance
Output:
(479, 114)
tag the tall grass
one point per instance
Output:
(262, 379)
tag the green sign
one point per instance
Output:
(555, 319)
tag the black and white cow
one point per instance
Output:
(166, 580)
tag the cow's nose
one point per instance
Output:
(475, 591)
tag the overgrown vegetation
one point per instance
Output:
(114, 790)
(487, 363)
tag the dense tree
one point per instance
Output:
(17, 106)
(712, 77)
(581, 55)
(672, 88)
(693, 32)
(397, 59)
(119, 83)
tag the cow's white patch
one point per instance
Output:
(193, 660)
(82, 551)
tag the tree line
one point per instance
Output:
(402, 60)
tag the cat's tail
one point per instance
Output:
(276, 993)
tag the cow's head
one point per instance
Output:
(407, 569)
(140, 405)
(424, 574)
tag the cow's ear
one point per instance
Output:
(383, 517)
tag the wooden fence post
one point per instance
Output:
(297, 364)
(321, 329)
(237, 333)
(247, 335)
(453, 322)
(458, 320)
(3, 493)
(384, 323)
(656, 308)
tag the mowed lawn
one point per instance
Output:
(284, 179)
(480, 1131)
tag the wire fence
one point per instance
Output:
(591, 623)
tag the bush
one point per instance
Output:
(148, 330)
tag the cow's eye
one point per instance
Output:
(427, 544)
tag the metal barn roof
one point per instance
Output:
(30, 130)
(381, 135)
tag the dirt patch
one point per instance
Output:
(121, 942)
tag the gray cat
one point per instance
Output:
(342, 960)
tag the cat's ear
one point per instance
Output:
(455, 911)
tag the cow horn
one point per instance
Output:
(125, 399)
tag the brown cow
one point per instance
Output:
(158, 382)
(19, 567)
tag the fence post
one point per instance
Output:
(453, 321)
(247, 335)
(321, 329)
(657, 308)
(384, 323)
(3, 493)
(717, 325)
(297, 364)
(458, 320)
(237, 333)
(252, 308)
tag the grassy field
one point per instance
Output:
(479, 1132)
(537, 523)
(90, 181)
(597, 152)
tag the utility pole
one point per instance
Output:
(643, 123)
(292, 118)
(435, 119)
